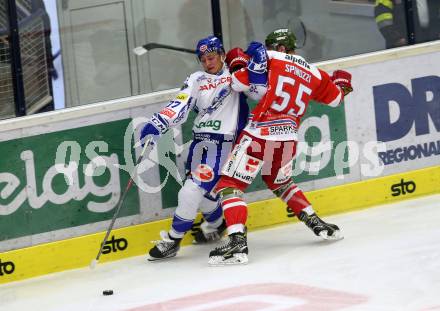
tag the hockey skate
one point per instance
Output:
(165, 248)
(233, 251)
(321, 228)
(208, 233)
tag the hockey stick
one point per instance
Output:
(303, 35)
(119, 205)
(300, 31)
(140, 50)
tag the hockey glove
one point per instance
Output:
(153, 128)
(342, 79)
(257, 65)
(236, 59)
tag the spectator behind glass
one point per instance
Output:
(391, 21)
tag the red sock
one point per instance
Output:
(235, 211)
(295, 199)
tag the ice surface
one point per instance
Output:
(389, 260)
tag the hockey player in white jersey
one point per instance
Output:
(221, 114)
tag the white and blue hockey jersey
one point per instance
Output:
(221, 114)
(219, 109)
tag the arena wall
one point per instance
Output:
(62, 172)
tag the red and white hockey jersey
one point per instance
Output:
(292, 84)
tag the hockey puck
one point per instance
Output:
(107, 292)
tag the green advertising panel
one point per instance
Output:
(63, 179)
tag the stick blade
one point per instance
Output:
(140, 50)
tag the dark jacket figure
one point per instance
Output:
(391, 21)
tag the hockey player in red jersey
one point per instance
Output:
(286, 83)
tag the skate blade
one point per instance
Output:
(236, 259)
(153, 259)
(336, 236)
(208, 241)
(202, 242)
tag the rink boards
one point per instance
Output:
(136, 240)
(50, 222)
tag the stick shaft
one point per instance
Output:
(121, 201)
(151, 46)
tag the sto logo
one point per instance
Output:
(203, 173)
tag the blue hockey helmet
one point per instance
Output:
(208, 45)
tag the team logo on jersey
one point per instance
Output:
(278, 130)
(168, 112)
(203, 173)
(298, 60)
(252, 165)
(214, 124)
(213, 84)
(264, 131)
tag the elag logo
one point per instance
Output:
(403, 188)
(114, 245)
(6, 267)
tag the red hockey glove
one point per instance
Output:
(236, 59)
(342, 79)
